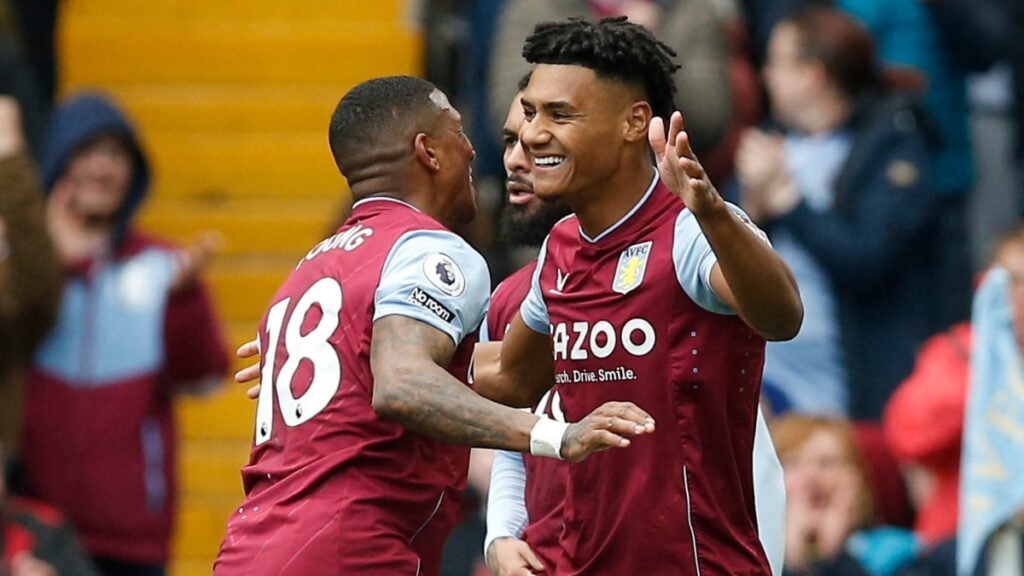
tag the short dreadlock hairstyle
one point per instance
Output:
(613, 48)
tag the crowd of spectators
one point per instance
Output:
(879, 143)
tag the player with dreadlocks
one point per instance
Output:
(645, 298)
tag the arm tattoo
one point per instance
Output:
(408, 359)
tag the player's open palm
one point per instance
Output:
(679, 168)
(610, 425)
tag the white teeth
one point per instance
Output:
(549, 160)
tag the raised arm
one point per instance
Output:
(411, 386)
(749, 276)
(30, 276)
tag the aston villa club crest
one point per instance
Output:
(629, 274)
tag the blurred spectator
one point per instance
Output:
(690, 27)
(909, 39)
(36, 541)
(843, 192)
(925, 425)
(924, 420)
(30, 278)
(827, 493)
(135, 327)
(829, 503)
(761, 17)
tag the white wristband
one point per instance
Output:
(546, 438)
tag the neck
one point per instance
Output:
(828, 114)
(608, 204)
(406, 188)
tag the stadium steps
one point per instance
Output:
(311, 52)
(269, 228)
(244, 165)
(233, 98)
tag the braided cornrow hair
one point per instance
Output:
(613, 48)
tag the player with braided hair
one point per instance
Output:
(647, 63)
(641, 297)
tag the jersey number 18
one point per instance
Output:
(314, 346)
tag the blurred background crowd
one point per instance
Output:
(164, 163)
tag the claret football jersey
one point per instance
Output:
(633, 317)
(330, 487)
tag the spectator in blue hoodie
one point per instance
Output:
(135, 327)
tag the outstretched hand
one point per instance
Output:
(679, 168)
(192, 259)
(610, 425)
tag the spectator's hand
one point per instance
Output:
(608, 426)
(67, 229)
(780, 198)
(759, 159)
(12, 138)
(767, 188)
(509, 556)
(679, 168)
(646, 13)
(800, 526)
(192, 259)
(25, 564)
(249, 373)
(838, 519)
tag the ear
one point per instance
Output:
(638, 120)
(425, 152)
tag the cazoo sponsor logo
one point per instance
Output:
(581, 340)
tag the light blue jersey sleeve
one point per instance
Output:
(436, 277)
(694, 259)
(533, 309)
(506, 500)
(483, 335)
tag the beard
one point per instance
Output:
(528, 225)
